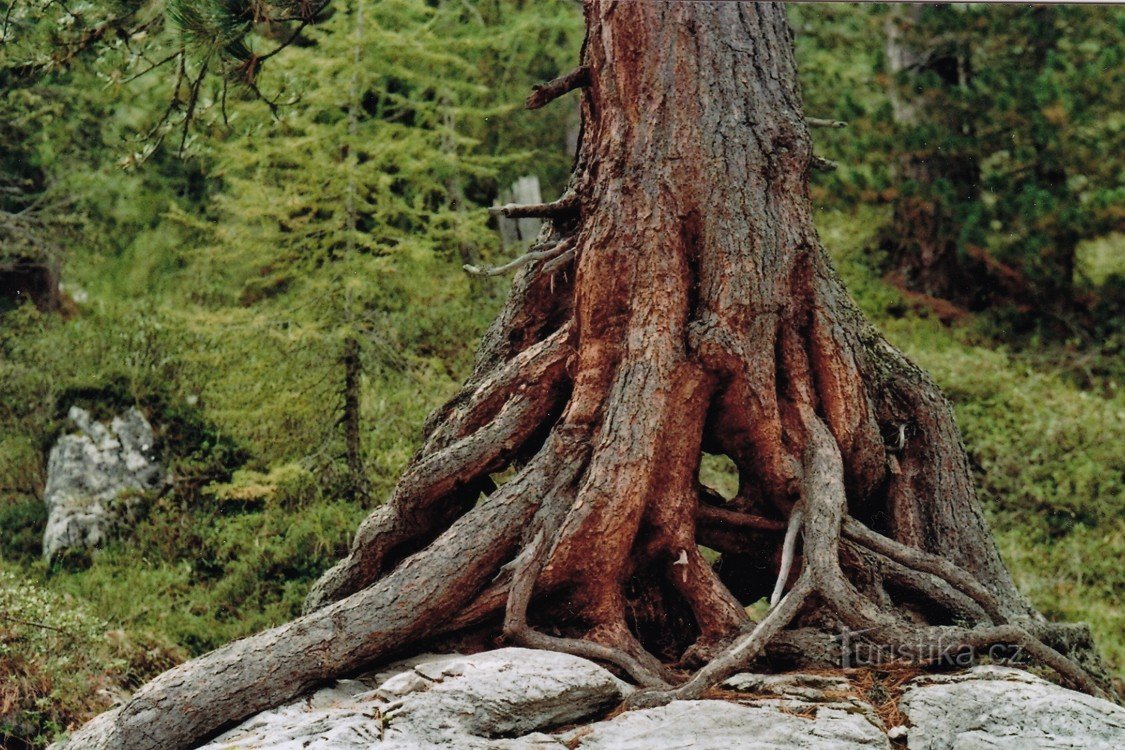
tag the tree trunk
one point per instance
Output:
(351, 418)
(685, 306)
(922, 241)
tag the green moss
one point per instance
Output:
(61, 663)
(288, 486)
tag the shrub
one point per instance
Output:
(60, 665)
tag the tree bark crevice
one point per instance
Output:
(697, 313)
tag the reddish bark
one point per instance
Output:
(694, 310)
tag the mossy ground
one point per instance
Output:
(257, 515)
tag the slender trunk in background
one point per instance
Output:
(353, 442)
(682, 305)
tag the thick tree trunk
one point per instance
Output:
(682, 304)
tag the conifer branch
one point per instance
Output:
(306, 17)
(193, 100)
(159, 63)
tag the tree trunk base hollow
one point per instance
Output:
(680, 304)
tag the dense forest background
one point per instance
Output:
(245, 239)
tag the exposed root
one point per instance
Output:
(178, 709)
(925, 587)
(821, 516)
(941, 642)
(445, 479)
(709, 514)
(685, 306)
(788, 550)
(916, 559)
(528, 565)
(736, 656)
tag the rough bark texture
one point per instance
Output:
(689, 308)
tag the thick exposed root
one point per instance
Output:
(503, 413)
(928, 591)
(821, 518)
(191, 702)
(942, 642)
(917, 560)
(528, 565)
(737, 655)
(686, 305)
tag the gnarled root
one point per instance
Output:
(821, 517)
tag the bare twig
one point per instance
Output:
(820, 122)
(535, 255)
(551, 266)
(193, 100)
(34, 624)
(306, 18)
(154, 66)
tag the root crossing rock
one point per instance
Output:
(521, 699)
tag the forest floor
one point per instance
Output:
(257, 515)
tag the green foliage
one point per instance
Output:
(61, 664)
(1030, 96)
(287, 486)
(216, 292)
(22, 519)
(839, 49)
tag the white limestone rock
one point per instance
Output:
(1000, 708)
(87, 474)
(519, 699)
(455, 702)
(721, 725)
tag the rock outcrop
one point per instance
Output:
(94, 476)
(519, 699)
(999, 708)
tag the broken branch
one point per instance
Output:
(550, 253)
(820, 122)
(820, 164)
(564, 206)
(545, 93)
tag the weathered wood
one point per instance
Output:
(516, 229)
(546, 93)
(696, 312)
